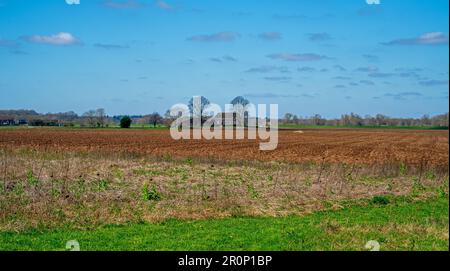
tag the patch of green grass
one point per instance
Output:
(401, 225)
(380, 200)
(32, 180)
(150, 193)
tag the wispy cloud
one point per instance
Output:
(319, 37)
(342, 78)
(340, 68)
(268, 69)
(302, 16)
(297, 57)
(216, 37)
(367, 82)
(276, 95)
(367, 69)
(403, 95)
(215, 59)
(431, 38)
(270, 36)
(223, 59)
(111, 46)
(163, 5)
(278, 78)
(409, 69)
(306, 69)
(62, 38)
(381, 75)
(123, 4)
(370, 58)
(229, 58)
(432, 83)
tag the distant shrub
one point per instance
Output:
(125, 122)
(189, 161)
(402, 169)
(32, 180)
(380, 200)
(252, 191)
(150, 194)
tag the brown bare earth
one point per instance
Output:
(352, 146)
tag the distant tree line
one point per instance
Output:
(98, 118)
(353, 119)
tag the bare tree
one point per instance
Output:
(90, 117)
(155, 119)
(288, 118)
(95, 118)
(101, 117)
(240, 111)
(197, 109)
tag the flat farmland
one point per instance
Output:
(351, 146)
(138, 189)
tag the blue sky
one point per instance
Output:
(309, 56)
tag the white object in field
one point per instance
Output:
(372, 245)
(299, 132)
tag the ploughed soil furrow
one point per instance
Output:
(374, 146)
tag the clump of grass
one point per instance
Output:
(252, 191)
(150, 193)
(380, 200)
(417, 186)
(103, 184)
(189, 161)
(31, 179)
(117, 172)
(403, 169)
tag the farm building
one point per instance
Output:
(22, 122)
(7, 122)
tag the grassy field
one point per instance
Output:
(400, 224)
(51, 193)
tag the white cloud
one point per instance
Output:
(62, 38)
(430, 38)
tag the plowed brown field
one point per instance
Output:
(370, 146)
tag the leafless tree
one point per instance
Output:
(155, 119)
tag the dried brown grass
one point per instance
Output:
(49, 189)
